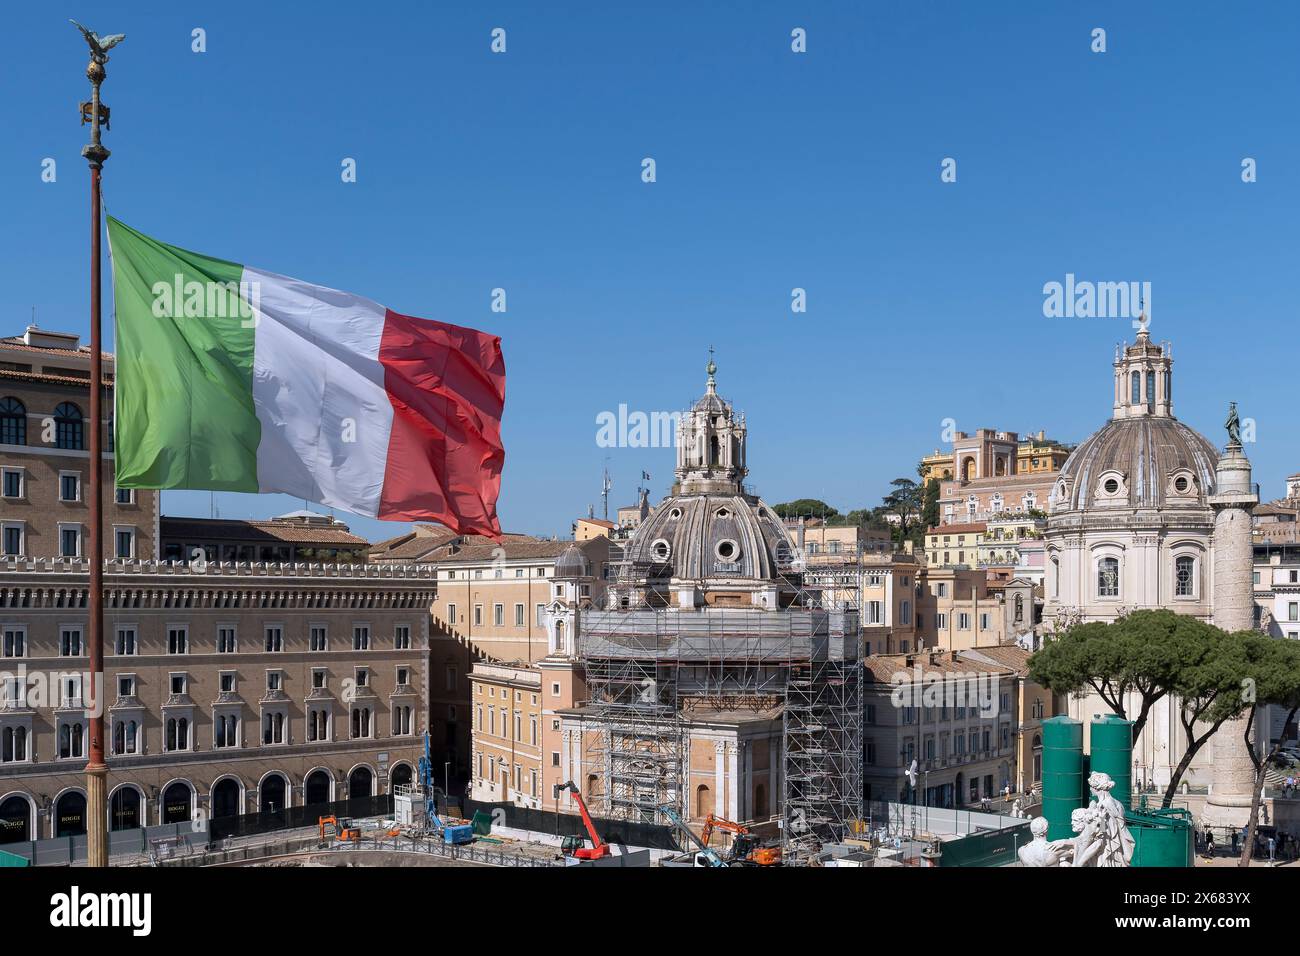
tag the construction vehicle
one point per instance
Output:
(707, 856)
(573, 845)
(745, 848)
(453, 834)
(338, 828)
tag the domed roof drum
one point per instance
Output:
(572, 563)
(1143, 457)
(696, 537)
(1138, 463)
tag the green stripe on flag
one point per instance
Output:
(184, 368)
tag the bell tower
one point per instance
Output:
(710, 445)
(1143, 378)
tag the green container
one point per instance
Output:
(1110, 752)
(1161, 837)
(1063, 778)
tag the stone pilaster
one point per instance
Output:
(1233, 774)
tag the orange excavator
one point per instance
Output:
(572, 845)
(745, 848)
(332, 827)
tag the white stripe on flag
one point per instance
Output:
(319, 392)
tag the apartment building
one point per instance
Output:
(961, 608)
(954, 713)
(492, 625)
(236, 681)
(952, 544)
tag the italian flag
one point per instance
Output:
(234, 379)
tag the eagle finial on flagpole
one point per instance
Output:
(99, 47)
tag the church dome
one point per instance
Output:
(710, 527)
(1137, 463)
(697, 537)
(1143, 457)
(572, 563)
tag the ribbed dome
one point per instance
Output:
(1142, 462)
(572, 563)
(697, 537)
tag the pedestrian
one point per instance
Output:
(1235, 837)
(1209, 842)
(1271, 847)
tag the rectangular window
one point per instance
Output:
(70, 642)
(478, 614)
(126, 644)
(13, 483)
(540, 614)
(125, 496)
(69, 486)
(15, 641)
(361, 637)
(226, 639)
(498, 615)
(451, 614)
(319, 641)
(178, 639)
(402, 637)
(274, 640)
(69, 541)
(124, 543)
(451, 678)
(519, 615)
(13, 539)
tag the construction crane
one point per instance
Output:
(599, 848)
(455, 834)
(744, 846)
(711, 857)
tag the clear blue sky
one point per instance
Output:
(775, 170)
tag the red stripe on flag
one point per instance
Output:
(447, 385)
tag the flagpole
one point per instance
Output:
(96, 769)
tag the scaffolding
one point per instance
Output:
(649, 669)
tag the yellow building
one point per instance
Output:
(951, 544)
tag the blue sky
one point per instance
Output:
(775, 170)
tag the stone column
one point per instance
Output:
(1233, 773)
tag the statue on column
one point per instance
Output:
(1233, 425)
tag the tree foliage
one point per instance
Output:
(805, 508)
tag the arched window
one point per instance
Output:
(1185, 576)
(13, 745)
(359, 783)
(225, 798)
(1135, 387)
(70, 814)
(177, 803)
(703, 802)
(1108, 577)
(1151, 390)
(15, 820)
(69, 427)
(316, 789)
(13, 422)
(124, 809)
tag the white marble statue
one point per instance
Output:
(1039, 852)
(1116, 841)
(1101, 837)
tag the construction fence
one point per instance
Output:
(627, 832)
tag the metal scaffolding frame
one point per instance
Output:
(648, 668)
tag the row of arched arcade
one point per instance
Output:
(24, 818)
